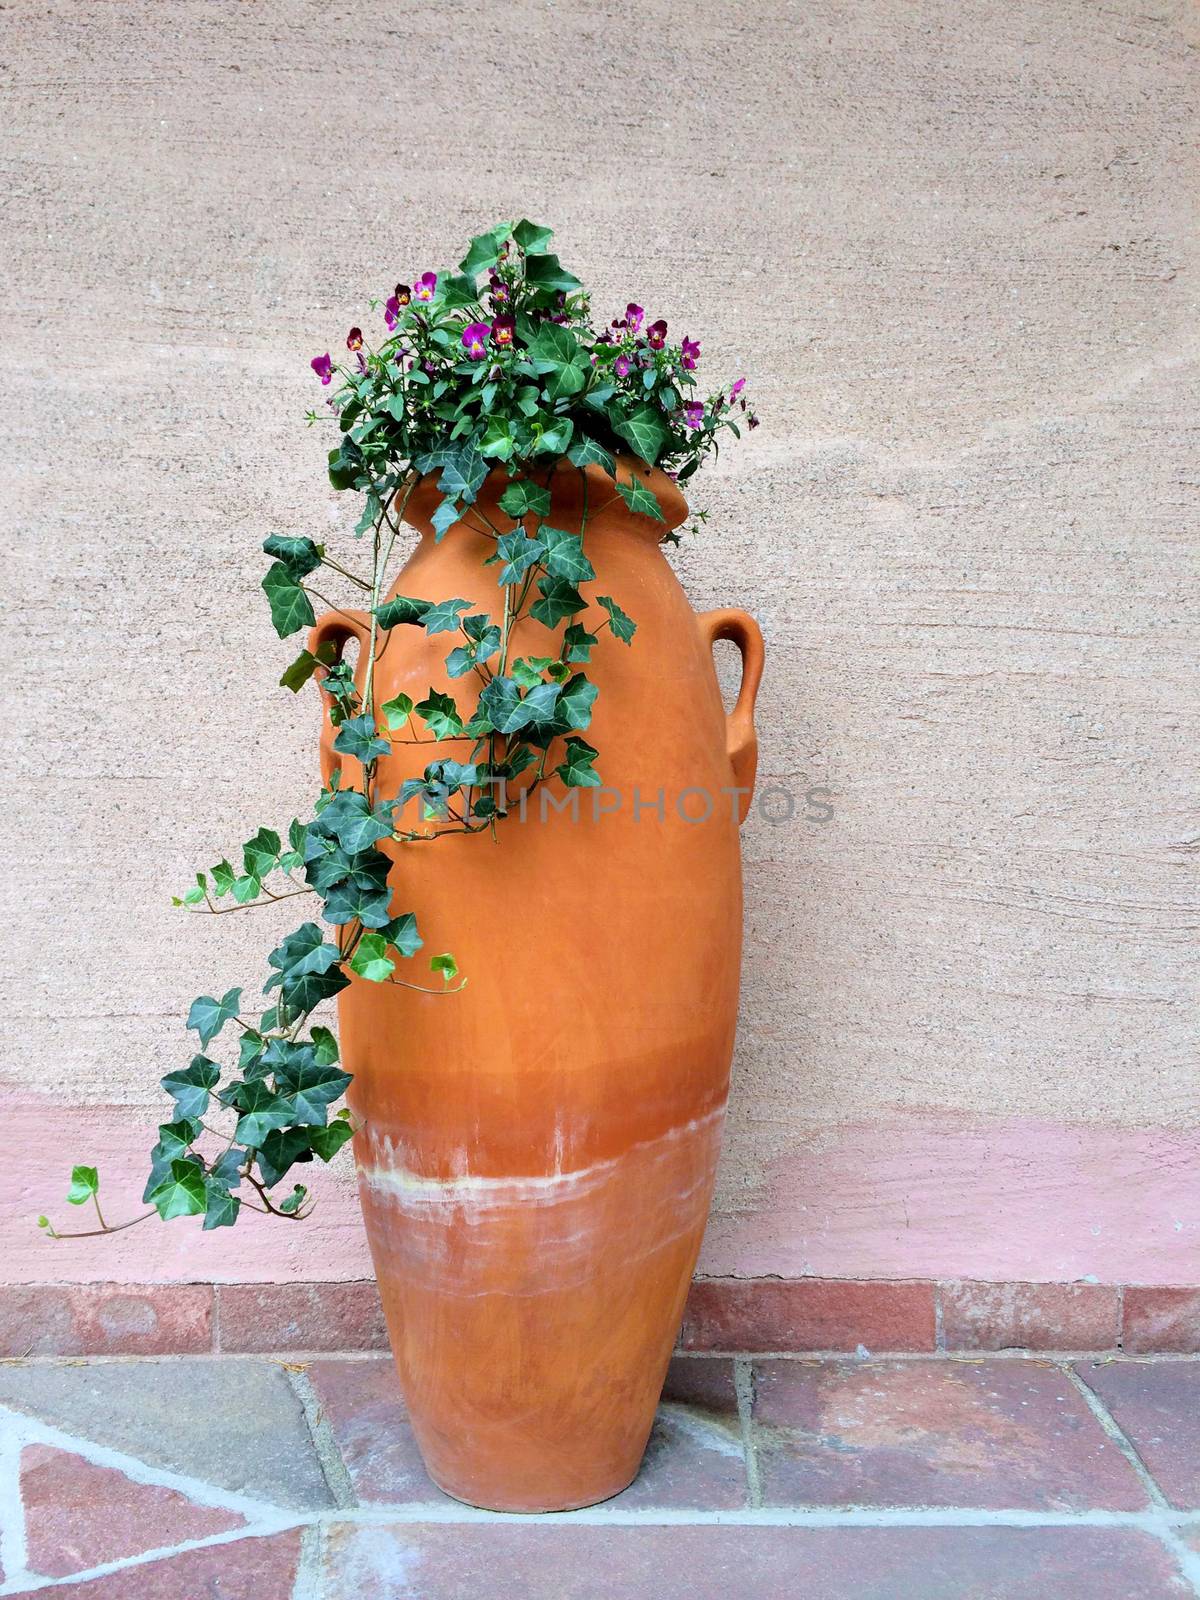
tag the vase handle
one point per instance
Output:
(741, 741)
(336, 628)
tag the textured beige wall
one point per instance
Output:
(953, 245)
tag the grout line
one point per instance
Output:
(1120, 1316)
(310, 1583)
(216, 1319)
(455, 1513)
(743, 1382)
(13, 1549)
(337, 1478)
(35, 1583)
(1187, 1558)
(939, 1322)
(1118, 1436)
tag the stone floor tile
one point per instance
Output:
(574, 1562)
(361, 1402)
(694, 1458)
(79, 1515)
(230, 1422)
(1157, 1406)
(989, 1433)
(246, 1569)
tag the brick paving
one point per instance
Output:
(296, 1477)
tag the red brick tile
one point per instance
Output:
(991, 1434)
(97, 1319)
(1162, 1321)
(245, 1569)
(808, 1314)
(401, 1561)
(694, 1458)
(361, 1402)
(1030, 1316)
(268, 1317)
(1157, 1406)
(79, 1515)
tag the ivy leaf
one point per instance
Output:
(294, 1201)
(327, 1141)
(564, 555)
(586, 452)
(623, 626)
(220, 1207)
(305, 664)
(638, 497)
(540, 705)
(519, 553)
(528, 670)
(545, 272)
(446, 965)
(189, 1087)
(85, 1181)
(396, 712)
(310, 1089)
(181, 1193)
(280, 1150)
(208, 1016)
(644, 429)
(371, 960)
(463, 473)
(554, 347)
(360, 897)
(559, 599)
(484, 250)
(299, 556)
(579, 643)
(260, 855)
(325, 1046)
(401, 933)
(358, 737)
(565, 381)
(440, 715)
(350, 819)
(443, 617)
(175, 1139)
(576, 771)
(531, 236)
(245, 889)
(226, 1170)
(575, 703)
(501, 704)
(401, 608)
(222, 877)
(262, 1110)
(291, 609)
(522, 497)
(555, 439)
(444, 518)
(498, 441)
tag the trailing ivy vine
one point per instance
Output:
(496, 365)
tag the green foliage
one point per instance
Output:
(531, 383)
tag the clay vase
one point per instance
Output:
(537, 1152)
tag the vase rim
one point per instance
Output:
(561, 475)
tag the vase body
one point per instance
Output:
(537, 1152)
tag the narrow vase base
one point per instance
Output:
(531, 1506)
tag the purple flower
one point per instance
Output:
(752, 421)
(391, 312)
(425, 286)
(737, 388)
(656, 334)
(633, 317)
(503, 329)
(497, 285)
(323, 367)
(354, 339)
(693, 413)
(475, 338)
(621, 366)
(689, 351)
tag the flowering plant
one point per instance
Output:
(494, 366)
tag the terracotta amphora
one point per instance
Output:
(537, 1152)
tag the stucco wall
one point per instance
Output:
(954, 247)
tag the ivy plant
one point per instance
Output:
(496, 365)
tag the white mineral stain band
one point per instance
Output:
(388, 1177)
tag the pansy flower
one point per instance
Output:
(752, 421)
(693, 413)
(503, 329)
(737, 388)
(688, 352)
(323, 367)
(621, 366)
(354, 339)
(633, 317)
(403, 294)
(475, 339)
(497, 286)
(391, 312)
(425, 286)
(656, 334)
